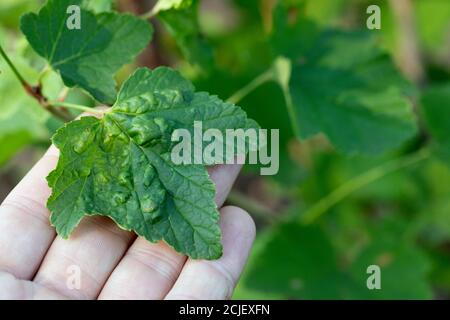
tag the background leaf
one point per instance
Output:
(298, 262)
(80, 55)
(342, 85)
(180, 19)
(301, 262)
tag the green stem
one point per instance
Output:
(75, 107)
(255, 83)
(43, 72)
(291, 111)
(13, 68)
(149, 14)
(63, 94)
(360, 181)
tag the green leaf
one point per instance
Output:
(403, 266)
(344, 86)
(436, 109)
(354, 99)
(301, 262)
(182, 23)
(403, 272)
(292, 39)
(119, 166)
(297, 262)
(90, 56)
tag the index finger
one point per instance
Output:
(25, 230)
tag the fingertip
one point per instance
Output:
(216, 279)
(238, 235)
(240, 220)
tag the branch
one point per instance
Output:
(410, 57)
(35, 91)
(13, 68)
(255, 83)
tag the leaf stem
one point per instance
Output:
(13, 68)
(255, 83)
(75, 107)
(291, 111)
(149, 14)
(360, 181)
(43, 72)
(58, 113)
(63, 94)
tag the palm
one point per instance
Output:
(102, 261)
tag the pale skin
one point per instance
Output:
(35, 263)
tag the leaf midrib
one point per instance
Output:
(167, 190)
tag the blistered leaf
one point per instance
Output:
(87, 57)
(120, 166)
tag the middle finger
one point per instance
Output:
(149, 270)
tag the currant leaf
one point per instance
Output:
(87, 57)
(181, 20)
(344, 86)
(120, 166)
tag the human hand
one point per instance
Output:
(35, 263)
